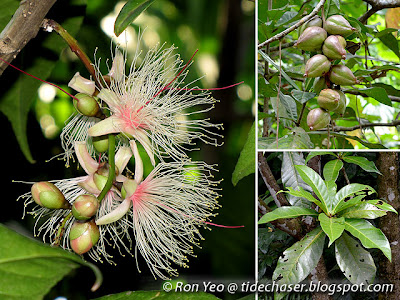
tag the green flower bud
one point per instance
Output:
(318, 118)
(317, 66)
(337, 24)
(333, 48)
(48, 195)
(342, 75)
(328, 99)
(319, 84)
(85, 207)
(87, 105)
(83, 236)
(315, 21)
(100, 143)
(311, 39)
(342, 104)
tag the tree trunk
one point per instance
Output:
(388, 190)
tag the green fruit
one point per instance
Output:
(311, 39)
(342, 75)
(100, 143)
(318, 118)
(315, 21)
(85, 207)
(342, 104)
(342, 41)
(319, 85)
(83, 236)
(317, 66)
(86, 105)
(337, 24)
(328, 99)
(48, 195)
(333, 48)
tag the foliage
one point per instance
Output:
(337, 213)
(372, 55)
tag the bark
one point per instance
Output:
(388, 189)
(377, 5)
(23, 27)
(320, 274)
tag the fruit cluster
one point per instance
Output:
(313, 37)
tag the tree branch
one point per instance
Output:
(353, 92)
(341, 128)
(270, 181)
(377, 5)
(23, 27)
(293, 27)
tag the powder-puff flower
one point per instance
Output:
(152, 105)
(73, 188)
(165, 210)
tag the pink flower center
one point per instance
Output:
(130, 116)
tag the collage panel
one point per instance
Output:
(328, 225)
(327, 75)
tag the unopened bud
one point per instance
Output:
(87, 105)
(100, 143)
(48, 195)
(82, 85)
(83, 236)
(85, 207)
(318, 118)
(319, 85)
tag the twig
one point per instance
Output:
(284, 46)
(270, 182)
(278, 97)
(366, 125)
(354, 92)
(293, 27)
(23, 27)
(377, 5)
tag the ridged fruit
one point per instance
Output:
(315, 21)
(318, 118)
(328, 99)
(342, 41)
(319, 85)
(342, 104)
(337, 24)
(311, 39)
(342, 75)
(317, 66)
(333, 48)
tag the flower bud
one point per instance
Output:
(328, 99)
(128, 188)
(85, 207)
(311, 39)
(333, 48)
(82, 85)
(318, 118)
(83, 236)
(48, 195)
(319, 85)
(100, 143)
(87, 105)
(342, 75)
(315, 21)
(342, 104)
(317, 66)
(337, 24)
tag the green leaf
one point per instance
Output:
(29, 269)
(316, 153)
(129, 12)
(350, 190)
(369, 236)
(302, 97)
(333, 227)
(362, 162)
(343, 135)
(304, 194)
(159, 295)
(378, 94)
(299, 139)
(363, 211)
(355, 262)
(331, 169)
(286, 212)
(246, 162)
(16, 100)
(286, 76)
(389, 40)
(291, 178)
(300, 259)
(290, 105)
(317, 184)
(390, 90)
(382, 205)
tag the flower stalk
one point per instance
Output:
(111, 162)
